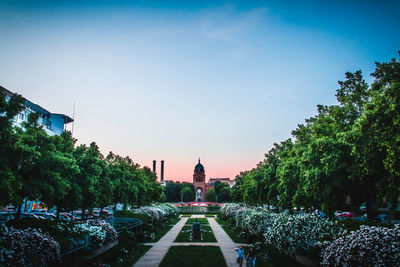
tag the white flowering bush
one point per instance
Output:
(169, 209)
(369, 246)
(229, 210)
(28, 247)
(98, 232)
(157, 213)
(289, 232)
(284, 231)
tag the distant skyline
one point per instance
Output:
(179, 80)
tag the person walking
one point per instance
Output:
(240, 255)
(251, 258)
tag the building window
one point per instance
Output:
(21, 116)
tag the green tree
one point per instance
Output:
(8, 110)
(173, 191)
(187, 193)
(89, 160)
(210, 195)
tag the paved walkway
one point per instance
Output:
(225, 243)
(154, 255)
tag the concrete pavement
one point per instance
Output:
(155, 255)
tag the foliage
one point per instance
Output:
(369, 246)
(157, 213)
(222, 191)
(8, 140)
(290, 232)
(129, 214)
(119, 256)
(210, 195)
(184, 235)
(28, 247)
(285, 231)
(128, 239)
(50, 169)
(200, 220)
(346, 155)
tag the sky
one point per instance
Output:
(179, 80)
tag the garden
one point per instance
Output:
(33, 242)
(329, 243)
(206, 231)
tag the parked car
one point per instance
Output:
(382, 218)
(345, 214)
(6, 216)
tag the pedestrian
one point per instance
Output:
(240, 255)
(251, 258)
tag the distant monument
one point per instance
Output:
(199, 182)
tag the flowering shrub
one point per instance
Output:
(229, 210)
(254, 220)
(289, 232)
(99, 232)
(157, 213)
(284, 231)
(28, 247)
(369, 246)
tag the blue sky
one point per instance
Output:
(178, 80)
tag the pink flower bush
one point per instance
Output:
(28, 247)
(369, 246)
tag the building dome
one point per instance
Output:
(199, 167)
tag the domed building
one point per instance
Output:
(199, 182)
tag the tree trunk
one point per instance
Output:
(18, 214)
(58, 213)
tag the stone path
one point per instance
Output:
(225, 243)
(155, 255)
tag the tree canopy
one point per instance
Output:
(346, 155)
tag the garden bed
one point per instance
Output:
(164, 228)
(233, 232)
(202, 221)
(184, 235)
(119, 256)
(194, 256)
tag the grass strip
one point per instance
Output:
(194, 256)
(118, 256)
(233, 233)
(164, 228)
(185, 236)
(200, 220)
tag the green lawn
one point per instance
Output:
(210, 215)
(114, 256)
(164, 228)
(194, 256)
(202, 221)
(232, 232)
(184, 237)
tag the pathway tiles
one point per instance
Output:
(155, 255)
(225, 242)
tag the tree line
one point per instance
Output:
(56, 172)
(176, 192)
(346, 155)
